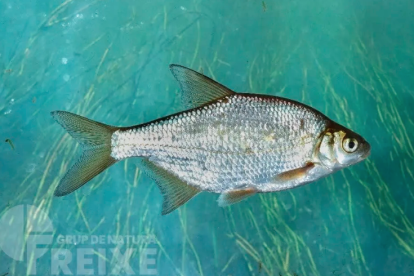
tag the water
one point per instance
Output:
(108, 60)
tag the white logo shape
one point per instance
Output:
(25, 226)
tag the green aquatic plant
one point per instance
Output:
(319, 229)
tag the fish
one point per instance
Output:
(224, 142)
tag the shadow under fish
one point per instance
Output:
(234, 144)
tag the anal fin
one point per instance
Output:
(175, 191)
(235, 196)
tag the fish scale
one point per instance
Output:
(193, 145)
(235, 144)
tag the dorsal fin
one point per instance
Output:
(197, 89)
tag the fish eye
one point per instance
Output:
(350, 145)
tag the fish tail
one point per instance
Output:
(95, 139)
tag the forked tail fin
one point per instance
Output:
(95, 139)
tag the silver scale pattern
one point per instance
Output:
(235, 142)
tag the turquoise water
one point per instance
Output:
(108, 60)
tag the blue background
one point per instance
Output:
(108, 60)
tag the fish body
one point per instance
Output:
(234, 144)
(238, 141)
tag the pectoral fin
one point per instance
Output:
(235, 196)
(296, 174)
(175, 191)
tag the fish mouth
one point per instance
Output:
(366, 153)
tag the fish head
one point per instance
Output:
(340, 147)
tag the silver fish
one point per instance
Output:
(234, 144)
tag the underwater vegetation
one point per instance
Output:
(108, 61)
